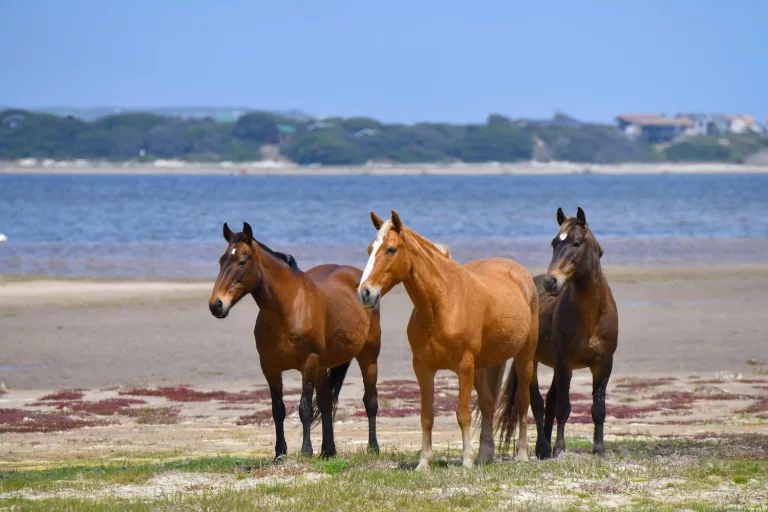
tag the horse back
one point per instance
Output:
(502, 277)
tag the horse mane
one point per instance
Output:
(439, 247)
(595, 245)
(288, 259)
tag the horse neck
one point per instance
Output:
(587, 283)
(276, 291)
(427, 281)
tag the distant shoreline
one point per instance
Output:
(287, 169)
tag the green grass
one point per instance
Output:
(129, 473)
(669, 474)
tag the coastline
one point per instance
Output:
(173, 167)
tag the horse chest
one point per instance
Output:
(436, 349)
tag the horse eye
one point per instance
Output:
(576, 244)
(242, 263)
(392, 250)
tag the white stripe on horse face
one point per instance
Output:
(233, 251)
(376, 245)
(563, 236)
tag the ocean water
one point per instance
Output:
(170, 226)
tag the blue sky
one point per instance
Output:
(405, 61)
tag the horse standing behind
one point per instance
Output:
(308, 321)
(578, 328)
(469, 319)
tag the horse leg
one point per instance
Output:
(487, 385)
(600, 376)
(466, 372)
(523, 367)
(305, 405)
(549, 411)
(278, 413)
(325, 404)
(563, 405)
(426, 378)
(370, 369)
(543, 449)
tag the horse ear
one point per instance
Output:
(580, 215)
(560, 217)
(247, 233)
(228, 234)
(397, 224)
(377, 222)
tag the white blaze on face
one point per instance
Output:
(563, 236)
(376, 244)
(233, 252)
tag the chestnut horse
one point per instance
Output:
(578, 328)
(469, 319)
(308, 321)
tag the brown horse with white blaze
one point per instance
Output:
(466, 318)
(578, 328)
(308, 321)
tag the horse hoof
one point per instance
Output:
(558, 451)
(327, 454)
(543, 451)
(599, 450)
(423, 466)
(484, 456)
(373, 448)
(521, 456)
(307, 452)
(280, 457)
(467, 463)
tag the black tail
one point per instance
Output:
(506, 415)
(336, 377)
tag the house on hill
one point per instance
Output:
(282, 133)
(720, 124)
(653, 128)
(742, 123)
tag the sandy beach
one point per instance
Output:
(124, 372)
(160, 167)
(91, 333)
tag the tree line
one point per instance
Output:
(342, 141)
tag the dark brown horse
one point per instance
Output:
(308, 321)
(578, 328)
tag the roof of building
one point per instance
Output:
(748, 120)
(286, 128)
(655, 120)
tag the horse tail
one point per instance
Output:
(506, 414)
(335, 377)
(495, 387)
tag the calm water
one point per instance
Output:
(170, 226)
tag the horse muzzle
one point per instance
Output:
(219, 309)
(369, 297)
(553, 283)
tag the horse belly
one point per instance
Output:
(508, 324)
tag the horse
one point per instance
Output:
(308, 321)
(578, 328)
(466, 318)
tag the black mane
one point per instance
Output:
(285, 258)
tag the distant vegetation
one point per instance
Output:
(145, 136)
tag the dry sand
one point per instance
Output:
(84, 333)
(699, 331)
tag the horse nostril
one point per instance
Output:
(216, 307)
(366, 293)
